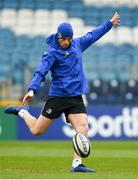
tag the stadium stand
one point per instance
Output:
(25, 24)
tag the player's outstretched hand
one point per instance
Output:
(29, 95)
(115, 19)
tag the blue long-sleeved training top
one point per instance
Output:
(65, 65)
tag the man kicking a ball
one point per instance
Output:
(64, 60)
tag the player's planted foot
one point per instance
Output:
(81, 168)
(15, 109)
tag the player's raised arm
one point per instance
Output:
(92, 36)
(115, 19)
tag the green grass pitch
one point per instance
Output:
(52, 160)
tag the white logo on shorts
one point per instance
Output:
(49, 111)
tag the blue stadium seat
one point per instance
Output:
(75, 3)
(135, 16)
(11, 4)
(22, 50)
(122, 71)
(42, 4)
(91, 11)
(115, 91)
(18, 61)
(131, 93)
(24, 42)
(18, 77)
(127, 48)
(27, 4)
(6, 32)
(90, 68)
(76, 11)
(6, 47)
(93, 75)
(39, 41)
(106, 13)
(97, 91)
(1, 4)
(34, 59)
(126, 15)
(135, 55)
(4, 70)
(91, 16)
(91, 21)
(8, 43)
(107, 75)
(5, 58)
(107, 50)
(62, 4)
(135, 59)
(132, 87)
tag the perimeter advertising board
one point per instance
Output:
(111, 123)
(7, 126)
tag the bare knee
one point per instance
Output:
(40, 126)
(36, 132)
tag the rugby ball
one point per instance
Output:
(81, 145)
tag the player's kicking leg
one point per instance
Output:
(36, 126)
